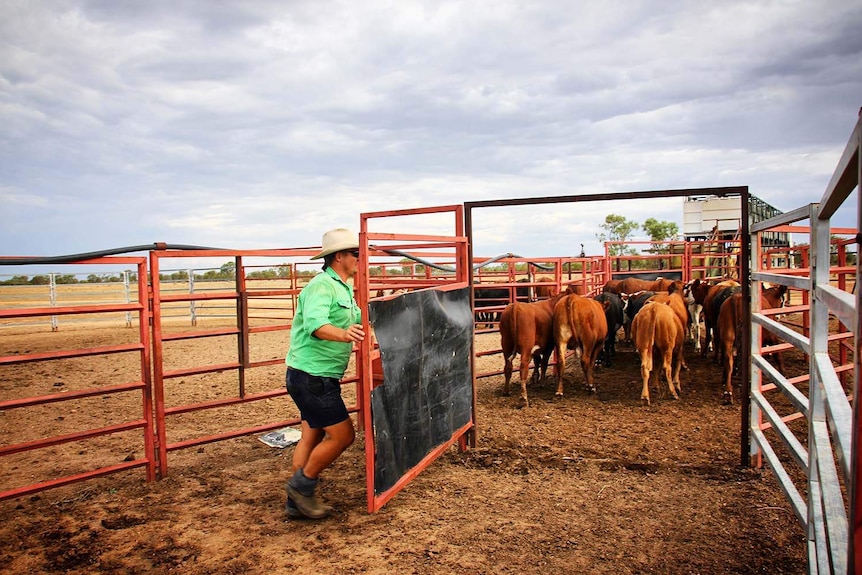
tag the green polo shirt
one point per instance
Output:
(326, 299)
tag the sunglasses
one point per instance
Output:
(355, 253)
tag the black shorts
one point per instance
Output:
(318, 398)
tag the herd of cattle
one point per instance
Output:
(656, 316)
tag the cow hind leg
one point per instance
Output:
(727, 371)
(539, 366)
(695, 328)
(646, 368)
(677, 364)
(707, 336)
(591, 361)
(560, 368)
(524, 374)
(545, 359)
(607, 352)
(525, 402)
(779, 359)
(507, 373)
(667, 364)
(587, 365)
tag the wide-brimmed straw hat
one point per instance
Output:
(337, 240)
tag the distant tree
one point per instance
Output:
(66, 279)
(40, 280)
(660, 231)
(266, 274)
(17, 281)
(227, 270)
(617, 229)
(406, 266)
(94, 279)
(284, 270)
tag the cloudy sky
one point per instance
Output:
(259, 124)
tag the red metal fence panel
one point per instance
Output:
(31, 430)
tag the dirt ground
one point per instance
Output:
(591, 483)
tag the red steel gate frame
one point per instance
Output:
(243, 297)
(452, 249)
(144, 384)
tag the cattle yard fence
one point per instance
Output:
(807, 428)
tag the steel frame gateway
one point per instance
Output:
(744, 266)
(446, 268)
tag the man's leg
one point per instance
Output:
(309, 439)
(338, 438)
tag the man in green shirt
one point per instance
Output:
(325, 327)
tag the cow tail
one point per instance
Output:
(514, 329)
(650, 336)
(574, 326)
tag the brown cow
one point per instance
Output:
(525, 330)
(716, 295)
(667, 286)
(729, 326)
(612, 286)
(675, 301)
(658, 336)
(632, 285)
(546, 291)
(579, 324)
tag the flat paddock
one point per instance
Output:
(588, 484)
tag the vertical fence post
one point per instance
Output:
(52, 294)
(128, 295)
(193, 310)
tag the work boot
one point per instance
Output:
(292, 510)
(308, 505)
